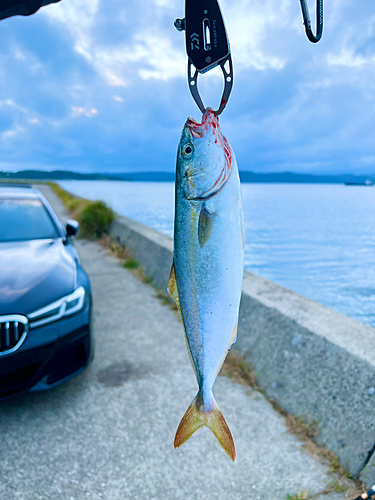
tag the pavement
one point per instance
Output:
(108, 433)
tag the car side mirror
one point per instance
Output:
(72, 227)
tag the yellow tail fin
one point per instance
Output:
(195, 417)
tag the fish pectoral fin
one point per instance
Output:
(195, 417)
(205, 226)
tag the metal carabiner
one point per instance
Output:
(307, 21)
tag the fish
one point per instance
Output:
(208, 262)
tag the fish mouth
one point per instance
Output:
(209, 120)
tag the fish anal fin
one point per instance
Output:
(172, 288)
(205, 226)
(195, 417)
(173, 292)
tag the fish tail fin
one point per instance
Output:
(197, 416)
(220, 428)
(190, 422)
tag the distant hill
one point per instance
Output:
(290, 177)
(246, 176)
(58, 175)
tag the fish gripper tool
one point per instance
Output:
(207, 46)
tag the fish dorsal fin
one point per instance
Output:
(173, 290)
(205, 225)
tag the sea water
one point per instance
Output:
(315, 239)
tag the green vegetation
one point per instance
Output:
(131, 264)
(94, 218)
(74, 205)
(237, 368)
(126, 258)
(299, 496)
(166, 299)
(335, 486)
(302, 426)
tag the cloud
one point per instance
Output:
(250, 23)
(33, 121)
(349, 59)
(11, 104)
(8, 134)
(294, 105)
(79, 111)
(149, 53)
(78, 17)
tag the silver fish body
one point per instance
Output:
(206, 281)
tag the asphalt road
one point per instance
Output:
(108, 434)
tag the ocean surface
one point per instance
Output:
(315, 239)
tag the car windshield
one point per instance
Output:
(25, 219)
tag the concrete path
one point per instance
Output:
(108, 434)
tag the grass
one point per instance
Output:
(73, 204)
(131, 264)
(94, 217)
(166, 299)
(336, 486)
(126, 258)
(302, 426)
(299, 496)
(237, 368)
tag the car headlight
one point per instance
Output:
(66, 306)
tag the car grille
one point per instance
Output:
(13, 331)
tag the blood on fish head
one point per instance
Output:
(204, 157)
(209, 121)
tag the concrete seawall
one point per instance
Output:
(312, 360)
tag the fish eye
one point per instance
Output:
(188, 150)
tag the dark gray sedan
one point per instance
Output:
(45, 296)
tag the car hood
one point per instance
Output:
(34, 274)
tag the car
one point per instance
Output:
(45, 296)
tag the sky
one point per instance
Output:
(101, 86)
